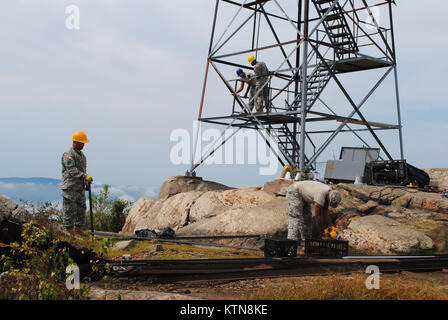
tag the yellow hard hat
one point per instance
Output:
(80, 136)
(251, 59)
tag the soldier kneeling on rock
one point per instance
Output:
(308, 203)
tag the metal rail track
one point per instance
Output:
(243, 269)
(198, 270)
(182, 239)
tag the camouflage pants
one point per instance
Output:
(300, 223)
(251, 98)
(74, 208)
(262, 98)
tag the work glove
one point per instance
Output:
(88, 180)
(331, 233)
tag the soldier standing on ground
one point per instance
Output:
(308, 203)
(74, 180)
(261, 81)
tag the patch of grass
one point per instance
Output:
(181, 251)
(352, 287)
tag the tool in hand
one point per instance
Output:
(89, 188)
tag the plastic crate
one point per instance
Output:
(326, 248)
(280, 248)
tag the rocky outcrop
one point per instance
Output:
(270, 218)
(137, 214)
(172, 212)
(395, 196)
(179, 184)
(377, 219)
(439, 178)
(278, 187)
(186, 208)
(212, 203)
(423, 212)
(383, 235)
(12, 211)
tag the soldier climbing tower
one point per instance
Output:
(310, 47)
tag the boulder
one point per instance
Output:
(212, 203)
(378, 234)
(395, 196)
(179, 184)
(439, 178)
(137, 214)
(172, 212)
(12, 211)
(11, 205)
(208, 205)
(189, 207)
(421, 211)
(403, 219)
(270, 218)
(278, 187)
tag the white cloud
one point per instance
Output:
(8, 186)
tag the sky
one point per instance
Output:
(133, 72)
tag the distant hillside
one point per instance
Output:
(40, 189)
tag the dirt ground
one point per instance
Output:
(426, 285)
(141, 289)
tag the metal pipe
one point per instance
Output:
(304, 104)
(204, 85)
(336, 132)
(230, 37)
(231, 21)
(397, 92)
(296, 80)
(275, 35)
(400, 131)
(356, 109)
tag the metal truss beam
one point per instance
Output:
(334, 31)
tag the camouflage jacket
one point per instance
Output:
(261, 72)
(74, 165)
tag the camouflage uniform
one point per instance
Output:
(262, 74)
(300, 215)
(74, 166)
(250, 81)
(301, 197)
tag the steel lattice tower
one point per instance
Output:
(314, 42)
